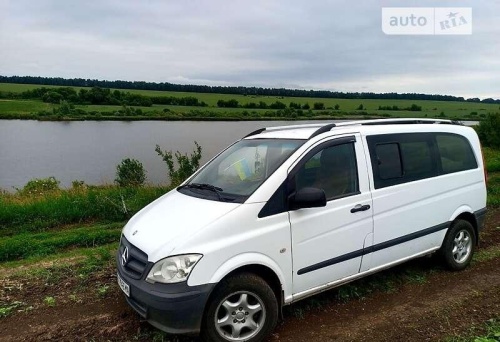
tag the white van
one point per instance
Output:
(288, 212)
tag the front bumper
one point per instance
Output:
(173, 308)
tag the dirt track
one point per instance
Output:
(443, 304)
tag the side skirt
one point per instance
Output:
(304, 294)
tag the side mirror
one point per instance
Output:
(307, 198)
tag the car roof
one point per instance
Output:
(308, 131)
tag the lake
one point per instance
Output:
(90, 150)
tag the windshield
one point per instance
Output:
(237, 172)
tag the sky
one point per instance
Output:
(328, 45)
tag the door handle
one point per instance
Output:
(359, 207)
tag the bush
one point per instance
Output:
(186, 165)
(130, 172)
(40, 186)
(319, 106)
(489, 130)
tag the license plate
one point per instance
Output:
(124, 286)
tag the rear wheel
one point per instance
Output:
(458, 246)
(243, 308)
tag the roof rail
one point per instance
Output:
(399, 122)
(374, 122)
(260, 130)
(323, 129)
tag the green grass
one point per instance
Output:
(22, 107)
(75, 253)
(487, 254)
(27, 245)
(348, 107)
(26, 213)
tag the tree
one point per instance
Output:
(130, 172)
(488, 130)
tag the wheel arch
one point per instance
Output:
(466, 213)
(261, 266)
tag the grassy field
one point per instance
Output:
(347, 107)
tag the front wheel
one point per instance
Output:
(243, 308)
(458, 245)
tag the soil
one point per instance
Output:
(443, 304)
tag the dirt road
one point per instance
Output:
(417, 301)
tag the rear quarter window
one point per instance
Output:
(455, 153)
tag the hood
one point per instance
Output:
(170, 220)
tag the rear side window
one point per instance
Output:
(417, 159)
(389, 161)
(455, 153)
(401, 158)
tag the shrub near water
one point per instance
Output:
(41, 186)
(130, 172)
(185, 166)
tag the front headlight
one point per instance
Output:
(173, 269)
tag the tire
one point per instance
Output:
(242, 308)
(458, 245)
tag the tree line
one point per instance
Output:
(101, 96)
(237, 90)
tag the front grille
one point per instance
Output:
(137, 261)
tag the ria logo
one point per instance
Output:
(426, 20)
(124, 256)
(453, 20)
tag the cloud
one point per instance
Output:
(337, 45)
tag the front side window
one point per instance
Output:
(332, 169)
(237, 172)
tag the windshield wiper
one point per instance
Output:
(204, 186)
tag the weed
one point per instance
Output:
(416, 277)
(75, 298)
(299, 312)
(489, 332)
(50, 301)
(38, 187)
(102, 290)
(6, 310)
